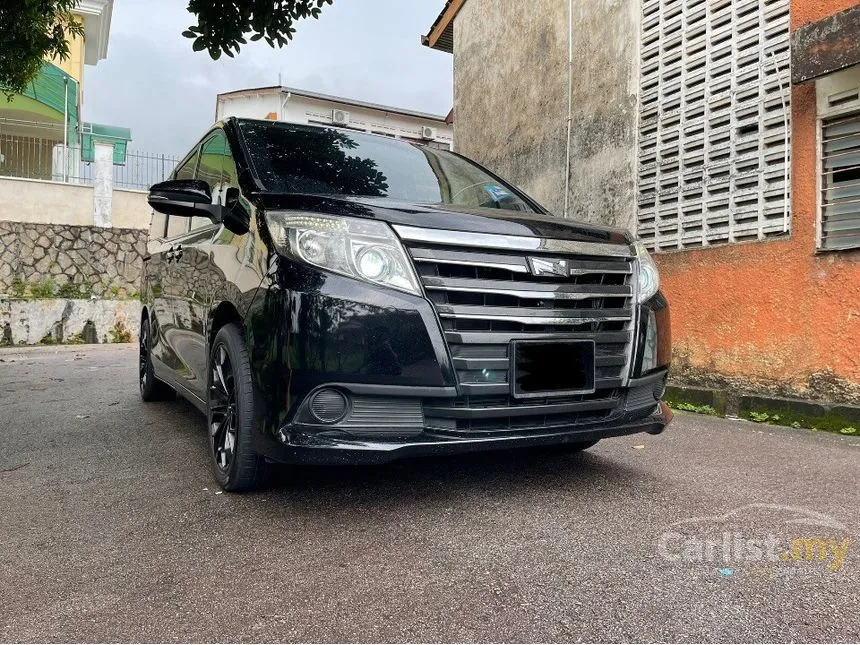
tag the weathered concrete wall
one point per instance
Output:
(510, 83)
(605, 111)
(107, 260)
(511, 96)
(30, 322)
(50, 202)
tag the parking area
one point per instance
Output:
(111, 528)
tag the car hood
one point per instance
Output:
(449, 217)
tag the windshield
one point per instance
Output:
(292, 158)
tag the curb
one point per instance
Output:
(24, 351)
(796, 413)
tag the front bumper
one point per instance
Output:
(297, 447)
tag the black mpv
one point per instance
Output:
(333, 296)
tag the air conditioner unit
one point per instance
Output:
(340, 117)
(428, 133)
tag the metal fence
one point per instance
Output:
(34, 157)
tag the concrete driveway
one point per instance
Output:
(111, 528)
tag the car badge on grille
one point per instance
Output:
(549, 266)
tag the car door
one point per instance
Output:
(166, 285)
(152, 287)
(193, 266)
(172, 282)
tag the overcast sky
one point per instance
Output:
(153, 83)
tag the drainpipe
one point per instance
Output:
(65, 128)
(569, 105)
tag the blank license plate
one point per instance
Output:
(542, 368)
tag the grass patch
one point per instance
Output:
(119, 333)
(692, 407)
(828, 422)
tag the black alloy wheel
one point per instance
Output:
(223, 429)
(231, 405)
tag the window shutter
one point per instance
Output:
(714, 122)
(840, 182)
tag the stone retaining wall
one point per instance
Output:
(105, 262)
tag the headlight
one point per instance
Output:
(649, 278)
(358, 248)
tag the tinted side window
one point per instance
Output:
(215, 162)
(217, 167)
(185, 170)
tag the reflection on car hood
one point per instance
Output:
(449, 217)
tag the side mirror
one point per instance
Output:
(236, 217)
(183, 198)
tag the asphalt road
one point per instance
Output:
(111, 528)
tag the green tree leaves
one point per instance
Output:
(34, 30)
(222, 26)
(30, 31)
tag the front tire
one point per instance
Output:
(151, 389)
(231, 407)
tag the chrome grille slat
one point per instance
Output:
(493, 337)
(516, 264)
(486, 296)
(526, 290)
(509, 261)
(528, 244)
(482, 363)
(531, 315)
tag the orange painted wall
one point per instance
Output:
(806, 11)
(772, 310)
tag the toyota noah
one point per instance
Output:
(331, 296)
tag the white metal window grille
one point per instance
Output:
(840, 182)
(714, 122)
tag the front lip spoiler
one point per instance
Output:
(300, 448)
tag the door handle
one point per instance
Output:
(173, 253)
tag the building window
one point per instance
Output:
(714, 130)
(840, 182)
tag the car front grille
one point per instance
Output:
(487, 297)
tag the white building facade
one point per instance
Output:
(300, 106)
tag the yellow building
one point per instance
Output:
(41, 133)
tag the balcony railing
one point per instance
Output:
(47, 158)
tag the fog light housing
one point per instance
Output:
(328, 405)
